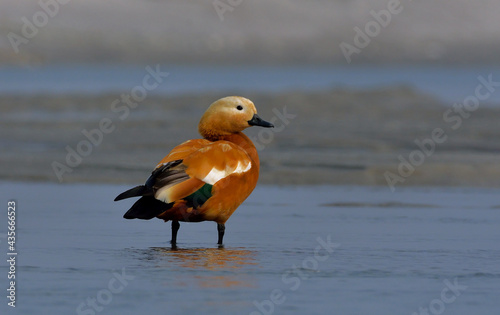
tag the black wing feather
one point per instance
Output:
(169, 174)
(134, 192)
(148, 206)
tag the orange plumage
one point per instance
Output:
(204, 179)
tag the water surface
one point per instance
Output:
(390, 253)
(451, 84)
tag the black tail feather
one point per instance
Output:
(147, 208)
(137, 191)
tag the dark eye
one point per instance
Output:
(239, 107)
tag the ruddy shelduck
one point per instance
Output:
(204, 179)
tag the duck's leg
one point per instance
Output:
(221, 228)
(175, 228)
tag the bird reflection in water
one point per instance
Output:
(208, 267)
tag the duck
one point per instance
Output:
(204, 179)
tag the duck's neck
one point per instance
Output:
(243, 141)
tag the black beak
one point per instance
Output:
(257, 121)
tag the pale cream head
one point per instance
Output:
(229, 115)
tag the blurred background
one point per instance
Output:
(363, 80)
(264, 32)
(367, 95)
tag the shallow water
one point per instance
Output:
(389, 253)
(450, 84)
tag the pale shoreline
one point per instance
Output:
(338, 137)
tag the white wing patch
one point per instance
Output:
(162, 195)
(216, 175)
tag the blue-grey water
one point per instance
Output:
(451, 84)
(288, 250)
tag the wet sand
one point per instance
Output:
(338, 137)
